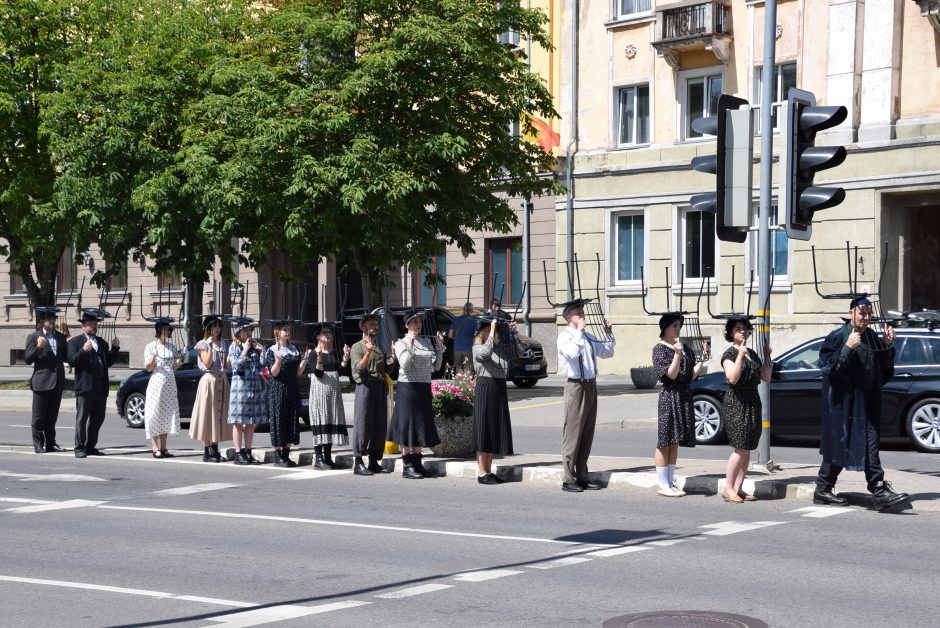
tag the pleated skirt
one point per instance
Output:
(210, 411)
(492, 430)
(413, 416)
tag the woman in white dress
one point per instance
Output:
(161, 409)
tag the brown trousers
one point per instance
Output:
(580, 419)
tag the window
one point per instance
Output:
(633, 119)
(784, 79)
(505, 270)
(626, 8)
(118, 281)
(169, 280)
(911, 353)
(699, 100)
(779, 245)
(699, 249)
(16, 282)
(430, 296)
(935, 349)
(629, 246)
(67, 275)
(806, 358)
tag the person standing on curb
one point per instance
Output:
(325, 400)
(492, 429)
(46, 350)
(578, 351)
(370, 412)
(90, 356)
(855, 364)
(676, 367)
(210, 410)
(162, 407)
(246, 395)
(286, 365)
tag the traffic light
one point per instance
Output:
(732, 165)
(800, 160)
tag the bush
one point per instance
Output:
(453, 397)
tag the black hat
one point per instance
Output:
(93, 314)
(47, 311)
(208, 320)
(160, 321)
(412, 313)
(668, 319)
(861, 299)
(319, 326)
(240, 322)
(363, 319)
(570, 305)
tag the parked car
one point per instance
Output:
(910, 400)
(526, 371)
(132, 392)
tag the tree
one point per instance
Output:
(372, 130)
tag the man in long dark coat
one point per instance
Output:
(46, 351)
(89, 354)
(855, 364)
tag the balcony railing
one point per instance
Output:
(708, 18)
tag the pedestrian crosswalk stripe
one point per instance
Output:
(486, 574)
(195, 488)
(819, 512)
(424, 588)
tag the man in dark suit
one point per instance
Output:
(89, 355)
(46, 351)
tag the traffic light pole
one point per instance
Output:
(764, 270)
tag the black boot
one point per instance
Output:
(826, 497)
(240, 457)
(280, 460)
(206, 456)
(328, 456)
(359, 468)
(250, 458)
(416, 460)
(286, 453)
(408, 470)
(376, 467)
(214, 455)
(318, 462)
(883, 497)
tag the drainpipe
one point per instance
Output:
(526, 251)
(569, 153)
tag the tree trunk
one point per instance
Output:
(194, 292)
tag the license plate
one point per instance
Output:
(305, 402)
(532, 367)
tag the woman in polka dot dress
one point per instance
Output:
(161, 409)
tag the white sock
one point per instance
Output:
(671, 474)
(663, 474)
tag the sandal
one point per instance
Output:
(167, 454)
(746, 497)
(731, 498)
(157, 454)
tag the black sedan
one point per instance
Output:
(910, 401)
(132, 392)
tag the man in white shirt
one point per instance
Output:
(578, 351)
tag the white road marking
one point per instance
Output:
(819, 512)
(664, 543)
(581, 550)
(124, 590)
(310, 475)
(195, 488)
(72, 503)
(20, 500)
(733, 527)
(424, 588)
(616, 551)
(271, 614)
(482, 575)
(342, 524)
(560, 562)
(51, 477)
(58, 427)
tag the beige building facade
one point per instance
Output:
(645, 69)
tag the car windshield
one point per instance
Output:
(804, 358)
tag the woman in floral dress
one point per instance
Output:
(246, 400)
(741, 408)
(162, 408)
(327, 416)
(286, 365)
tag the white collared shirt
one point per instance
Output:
(50, 338)
(577, 350)
(93, 341)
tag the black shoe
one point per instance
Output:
(54, 447)
(94, 452)
(250, 458)
(286, 454)
(166, 453)
(489, 478)
(883, 497)
(408, 470)
(328, 457)
(590, 486)
(416, 461)
(280, 460)
(157, 454)
(826, 497)
(80, 453)
(376, 467)
(497, 478)
(214, 454)
(360, 469)
(39, 449)
(206, 455)
(570, 487)
(240, 458)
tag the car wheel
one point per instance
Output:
(923, 425)
(525, 382)
(134, 410)
(709, 428)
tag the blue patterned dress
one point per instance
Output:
(246, 399)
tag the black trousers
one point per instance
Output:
(45, 414)
(874, 472)
(89, 416)
(370, 419)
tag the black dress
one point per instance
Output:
(676, 414)
(282, 398)
(741, 407)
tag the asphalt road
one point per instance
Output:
(129, 540)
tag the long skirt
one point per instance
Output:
(492, 430)
(327, 416)
(210, 411)
(413, 416)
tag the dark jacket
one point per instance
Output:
(851, 395)
(48, 370)
(90, 366)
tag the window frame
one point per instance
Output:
(492, 244)
(615, 281)
(620, 15)
(438, 290)
(679, 272)
(618, 112)
(16, 280)
(782, 97)
(683, 121)
(781, 282)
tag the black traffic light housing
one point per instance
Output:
(732, 166)
(800, 160)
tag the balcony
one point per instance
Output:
(930, 9)
(693, 25)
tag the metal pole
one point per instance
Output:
(763, 237)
